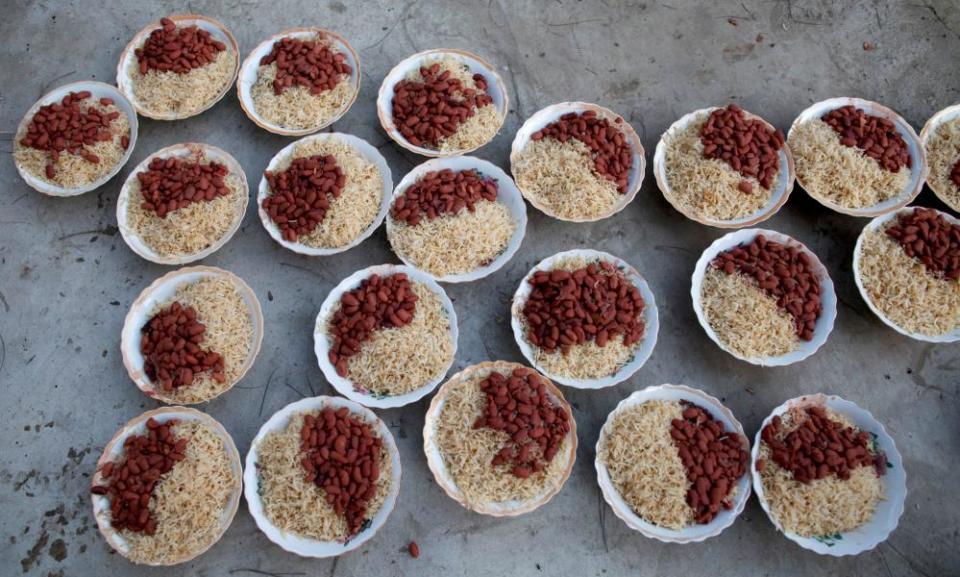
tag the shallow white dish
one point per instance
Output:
(948, 114)
(303, 546)
(138, 426)
(779, 197)
(248, 77)
(695, 532)
(435, 457)
(828, 296)
(321, 341)
(125, 67)
(366, 150)
(651, 320)
(887, 515)
(159, 292)
(553, 113)
(875, 224)
(97, 90)
(185, 150)
(507, 194)
(495, 88)
(918, 172)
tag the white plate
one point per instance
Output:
(126, 66)
(948, 114)
(138, 426)
(691, 533)
(918, 173)
(553, 113)
(185, 150)
(875, 224)
(159, 292)
(97, 90)
(495, 88)
(321, 341)
(304, 546)
(366, 150)
(889, 509)
(651, 320)
(778, 198)
(828, 296)
(435, 457)
(507, 194)
(251, 64)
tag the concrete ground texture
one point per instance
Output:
(67, 278)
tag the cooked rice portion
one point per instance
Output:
(162, 92)
(455, 243)
(295, 505)
(359, 202)
(842, 175)
(707, 187)
(746, 319)
(193, 228)
(189, 501)
(229, 331)
(396, 361)
(467, 452)
(72, 170)
(822, 507)
(559, 176)
(904, 290)
(644, 465)
(943, 152)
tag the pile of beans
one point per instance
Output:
(378, 303)
(443, 192)
(170, 344)
(955, 174)
(928, 237)
(342, 456)
(518, 405)
(747, 145)
(595, 302)
(877, 137)
(713, 458)
(172, 183)
(308, 63)
(820, 447)
(67, 126)
(179, 50)
(427, 110)
(612, 157)
(300, 195)
(130, 483)
(785, 273)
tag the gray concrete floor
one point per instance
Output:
(67, 278)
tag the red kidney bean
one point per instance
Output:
(414, 549)
(341, 455)
(378, 303)
(308, 63)
(877, 137)
(747, 145)
(300, 195)
(783, 272)
(821, 447)
(66, 126)
(928, 237)
(443, 192)
(955, 173)
(609, 148)
(131, 481)
(178, 49)
(596, 302)
(170, 344)
(435, 106)
(172, 183)
(519, 405)
(713, 458)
